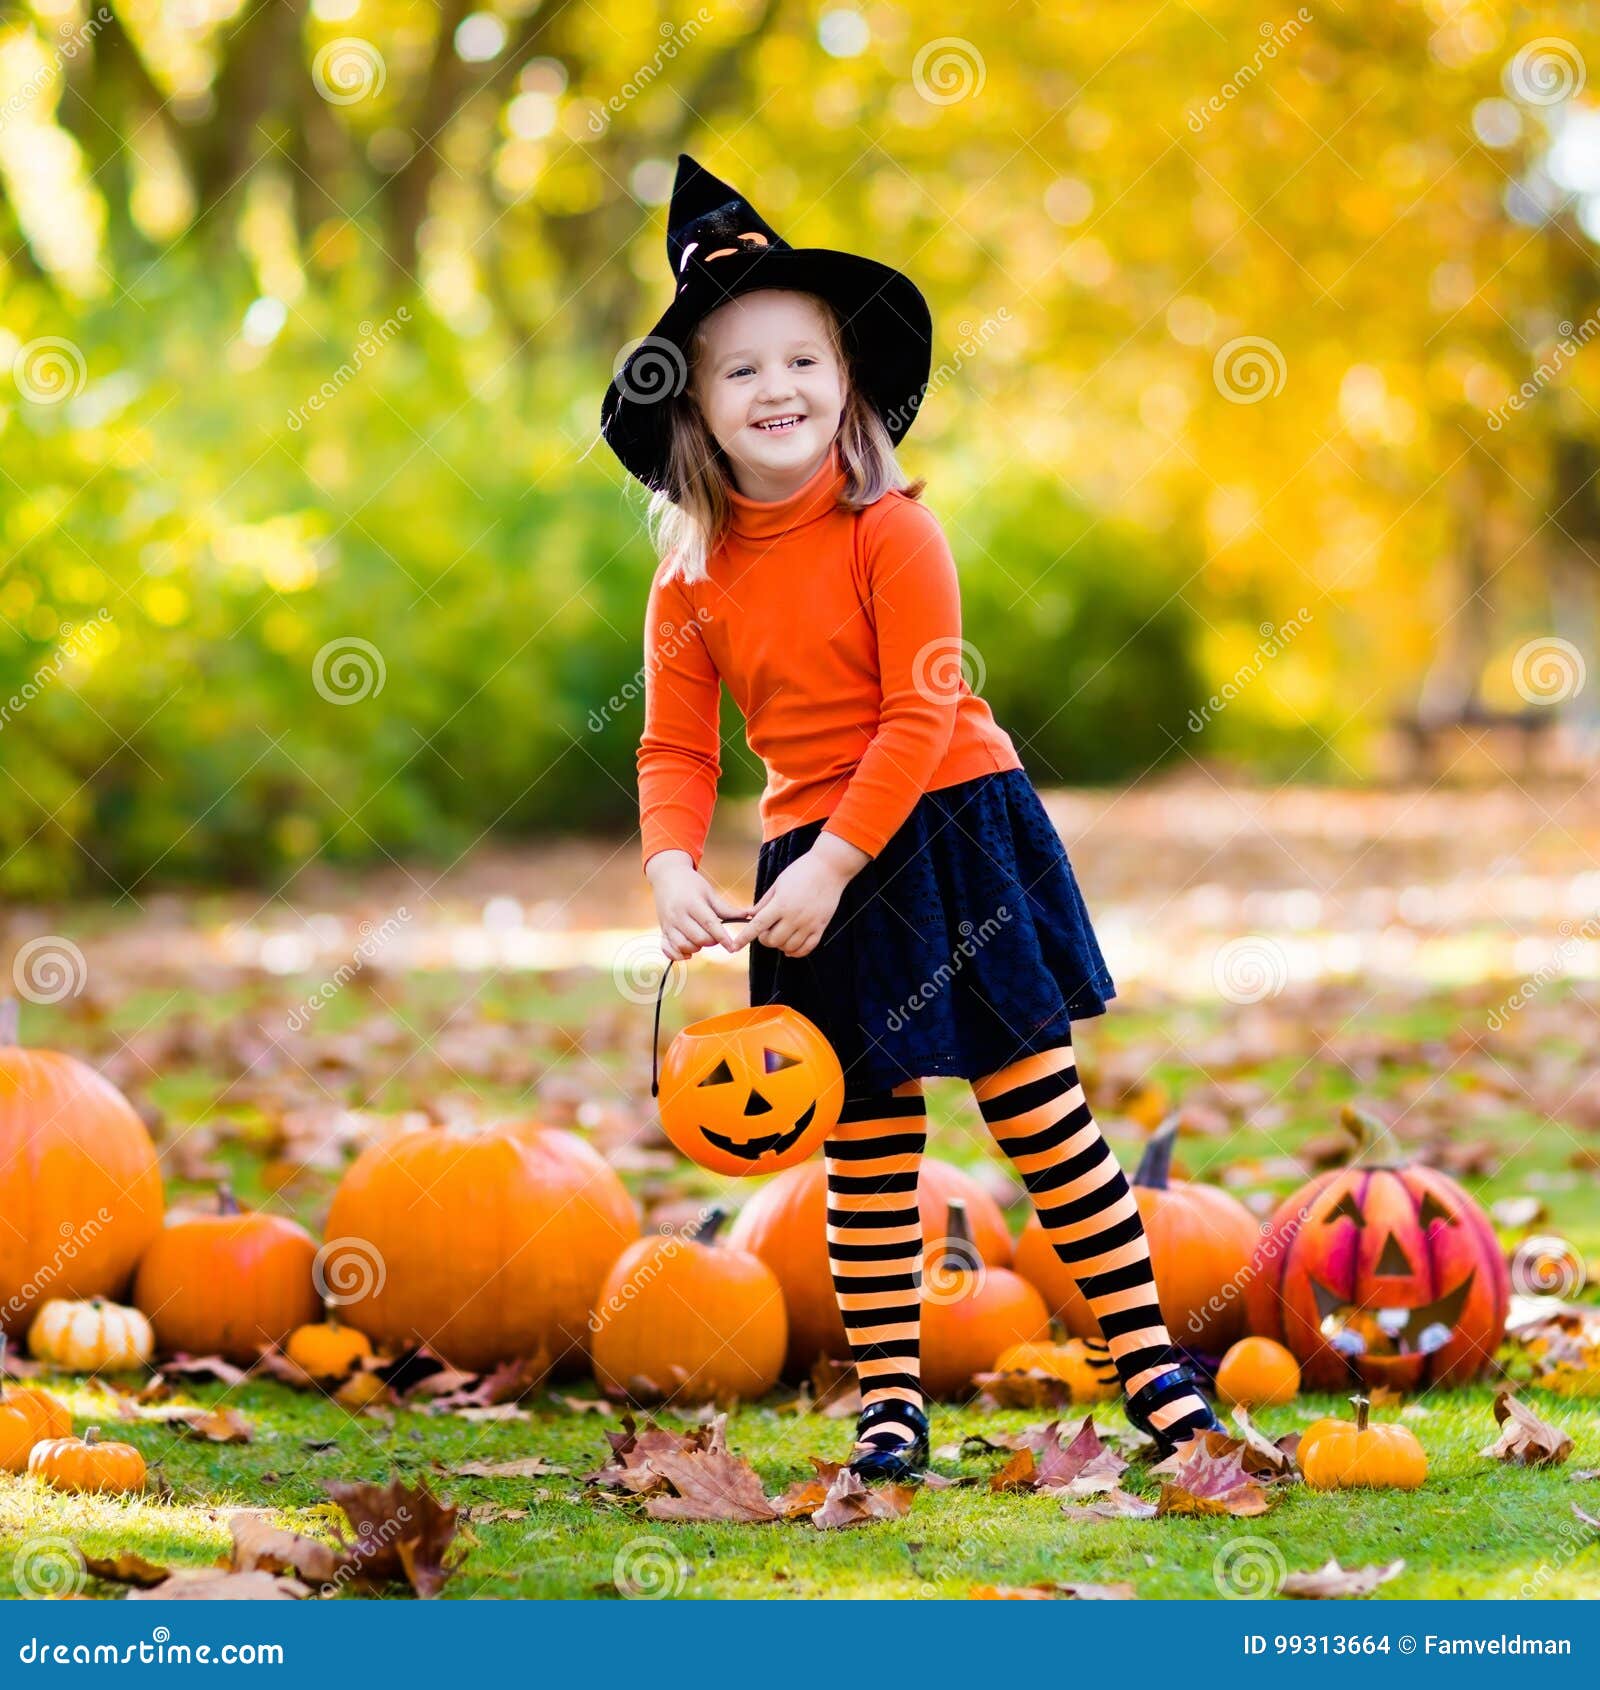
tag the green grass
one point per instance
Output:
(1477, 1528)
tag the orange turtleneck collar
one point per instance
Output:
(763, 519)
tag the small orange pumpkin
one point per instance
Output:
(327, 1350)
(971, 1313)
(750, 1092)
(27, 1415)
(686, 1302)
(1084, 1365)
(1345, 1454)
(1257, 1372)
(86, 1464)
(228, 1283)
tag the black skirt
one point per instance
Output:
(962, 946)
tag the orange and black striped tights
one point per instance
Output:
(1036, 1110)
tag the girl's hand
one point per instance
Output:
(794, 911)
(689, 909)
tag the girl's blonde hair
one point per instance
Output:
(692, 514)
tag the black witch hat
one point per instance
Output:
(719, 246)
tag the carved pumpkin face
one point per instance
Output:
(1392, 1274)
(750, 1092)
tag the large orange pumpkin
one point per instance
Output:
(971, 1313)
(80, 1189)
(785, 1224)
(1388, 1273)
(487, 1246)
(228, 1283)
(686, 1302)
(1201, 1240)
(751, 1092)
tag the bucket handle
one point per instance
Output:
(655, 1038)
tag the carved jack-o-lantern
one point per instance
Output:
(1390, 1274)
(750, 1092)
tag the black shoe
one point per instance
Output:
(1179, 1381)
(900, 1459)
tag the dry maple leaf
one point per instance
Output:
(202, 1367)
(1204, 1482)
(214, 1584)
(711, 1484)
(525, 1467)
(1114, 1505)
(221, 1425)
(1028, 1388)
(1019, 1473)
(260, 1546)
(128, 1567)
(401, 1533)
(1084, 1467)
(1261, 1456)
(1332, 1580)
(1524, 1437)
(851, 1502)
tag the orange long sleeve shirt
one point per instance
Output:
(838, 634)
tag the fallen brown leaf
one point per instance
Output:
(851, 1502)
(1047, 1590)
(401, 1533)
(525, 1467)
(1524, 1438)
(128, 1567)
(1114, 1505)
(1332, 1580)
(260, 1546)
(1203, 1482)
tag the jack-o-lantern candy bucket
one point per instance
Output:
(754, 1091)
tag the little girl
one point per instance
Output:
(912, 896)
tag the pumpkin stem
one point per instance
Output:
(1372, 1143)
(227, 1203)
(10, 1033)
(1363, 1408)
(960, 1248)
(90, 1435)
(705, 1230)
(1155, 1165)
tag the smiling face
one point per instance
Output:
(750, 1092)
(771, 386)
